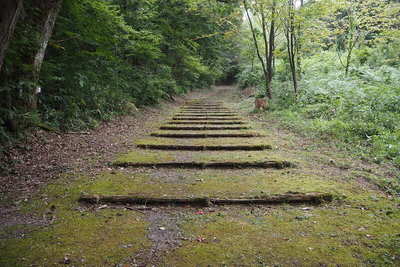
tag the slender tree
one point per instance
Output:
(268, 28)
(48, 11)
(350, 37)
(291, 42)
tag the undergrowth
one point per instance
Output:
(359, 112)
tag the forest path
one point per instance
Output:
(214, 147)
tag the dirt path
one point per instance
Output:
(207, 145)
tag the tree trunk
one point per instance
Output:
(49, 11)
(9, 14)
(267, 73)
(255, 41)
(290, 41)
(271, 50)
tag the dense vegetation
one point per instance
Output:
(345, 57)
(107, 57)
(330, 68)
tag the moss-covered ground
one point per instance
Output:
(79, 235)
(359, 228)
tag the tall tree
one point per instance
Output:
(48, 14)
(291, 42)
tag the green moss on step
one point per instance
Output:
(212, 183)
(87, 238)
(140, 156)
(202, 142)
(318, 236)
(203, 134)
(195, 157)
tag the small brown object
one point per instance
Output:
(261, 104)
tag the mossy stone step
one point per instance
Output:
(212, 159)
(204, 101)
(207, 114)
(207, 111)
(200, 118)
(200, 109)
(204, 127)
(207, 134)
(208, 122)
(204, 106)
(255, 143)
(289, 198)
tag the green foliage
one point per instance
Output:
(105, 56)
(362, 109)
(249, 76)
(359, 106)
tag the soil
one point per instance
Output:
(43, 157)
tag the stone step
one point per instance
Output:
(207, 114)
(204, 127)
(233, 122)
(207, 134)
(204, 108)
(255, 143)
(206, 111)
(195, 159)
(203, 102)
(201, 201)
(185, 118)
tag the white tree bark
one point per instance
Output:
(50, 11)
(47, 31)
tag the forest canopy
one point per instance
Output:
(71, 64)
